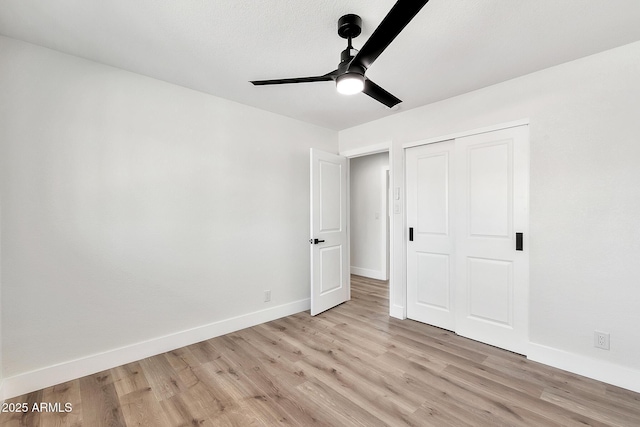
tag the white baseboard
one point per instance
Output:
(397, 311)
(365, 272)
(600, 370)
(51, 375)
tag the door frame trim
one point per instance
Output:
(469, 132)
(368, 150)
(386, 211)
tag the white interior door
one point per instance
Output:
(430, 250)
(330, 280)
(492, 274)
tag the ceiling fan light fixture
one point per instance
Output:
(350, 83)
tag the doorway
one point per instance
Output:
(369, 201)
(330, 207)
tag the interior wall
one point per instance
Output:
(368, 234)
(133, 209)
(1, 310)
(585, 200)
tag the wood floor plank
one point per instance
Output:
(594, 397)
(129, 378)
(397, 362)
(591, 409)
(525, 407)
(252, 402)
(358, 390)
(352, 365)
(291, 351)
(254, 369)
(181, 359)
(295, 407)
(63, 394)
(141, 408)
(100, 403)
(209, 396)
(440, 413)
(358, 363)
(357, 336)
(272, 362)
(24, 416)
(545, 375)
(181, 411)
(204, 351)
(325, 402)
(161, 376)
(622, 396)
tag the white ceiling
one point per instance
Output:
(217, 46)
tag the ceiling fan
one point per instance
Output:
(350, 75)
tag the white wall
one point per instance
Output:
(134, 209)
(1, 310)
(367, 210)
(585, 201)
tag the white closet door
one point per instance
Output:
(430, 256)
(491, 274)
(466, 201)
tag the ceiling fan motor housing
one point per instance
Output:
(349, 26)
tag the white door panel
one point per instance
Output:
(434, 280)
(329, 254)
(492, 276)
(330, 269)
(432, 194)
(430, 268)
(331, 211)
(489, 183)
(490, 290)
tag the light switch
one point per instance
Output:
(397, 194)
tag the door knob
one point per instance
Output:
(315, 241)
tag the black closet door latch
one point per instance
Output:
(519, 237)
(411, 234)
(315, 241)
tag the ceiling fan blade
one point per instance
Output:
(325, 78)
(379, 94)
(398, 17)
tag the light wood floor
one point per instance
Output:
(350, 366)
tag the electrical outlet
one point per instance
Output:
(601, 340)
(267, 296)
